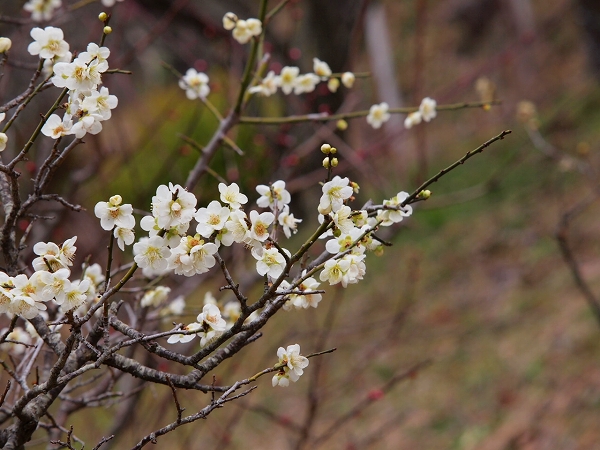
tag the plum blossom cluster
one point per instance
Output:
(88, 103)
(379, 114)
(243, 30)
(118, 218)
(425, 113)
(27, 296)
(291, 80)
(293, 365)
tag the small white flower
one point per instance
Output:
(333, 84)
(57, 284)
(288, 222)
(100, 102)
(90, 123)
(48, 257)
(195, 84)
(42, 10)
(76, 75)
(175, 308)
(348, 79)
(192, 256)
(170, 212)
(334, 193)
(378, 114)
(151, 253)
(109, 3)
(305, 83)
(260, 225)
(267, 86)
(3, 141)
(96, 55)
(287, 78)
(427, 109)
(294, 367)
(5, 44)
(274, 196)
(238, 226)
(390, 216)
(334, 271)
(321, 68)
(114, 214)
(74, 296)
(211, 218)
(269, 262)
(211, 317)
(232, 196)
(56, 127)
(229, 21)
(125, 236)
(48, 43)
(155, 297)
(412, 119)
(183, 338)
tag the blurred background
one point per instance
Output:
(470, 332)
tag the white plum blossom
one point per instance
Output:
(125, 236)
(305, 83)
(412, 119)
(173, 235)
(95, 275)
(195, 84)
(192, 256)
(99, 56)
(287, 78)
(56, 285)
(334, 271)
(48, 43)
(229, 21)
(259, 230)
(245, 29)
(232, 196)
(348, 79)
(174, 308)
(50, 256)
(211, 218)
(5, 44)
(267, 87)
(56, 127)
(18, 341)
(155, 297)
(274, 196)
(321, 68)
(378, 114)
(114, 214)
(342, 219)
(288, 222)
(334, 193)
(76, 75)
(345, 241)
(3, 141)
(210, 318)
(100, 102)
(427, 109)
(390, 216)
(152, 253)
(269, 261)
(307, 300)
(294, 367)
(90, 123)
(237, 225)
(173, 205)
(42, 10)
(75, 295)
(333, 84)
(183, 338)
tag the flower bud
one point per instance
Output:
(337, 233)
(326, 163)
(3, 141)
(424, 194)
(107, 30)
(355, 187)
(333, 150)
(103, 17)
(229, 21)
(326, 148)
(115, 200)
(348, 79)
(5, 44)
(334, 162)
(333, 84)
(341, 125)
